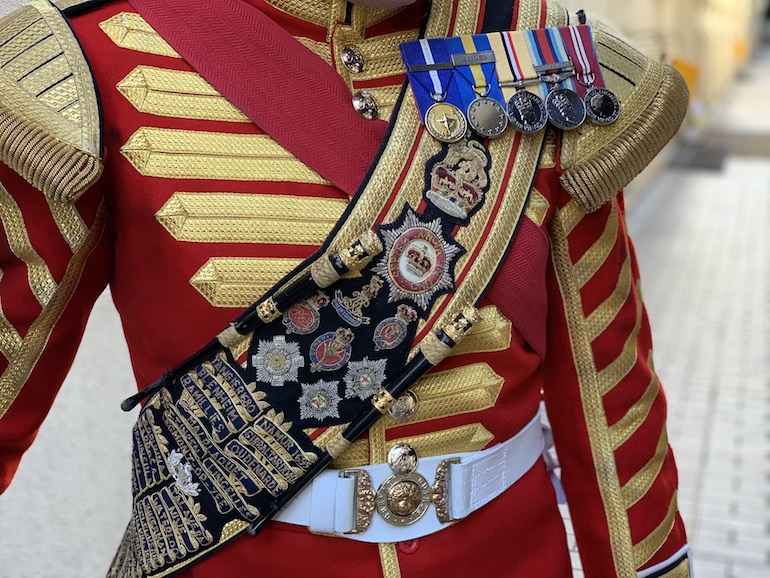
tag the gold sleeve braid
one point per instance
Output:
(50, 135)
(599, 161)
(49, 115)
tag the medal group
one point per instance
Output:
(523, 78)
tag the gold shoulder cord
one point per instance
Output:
(600, 161)
(49, 117)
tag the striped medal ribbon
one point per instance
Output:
(566, 110)
(602, 106)
(519, 82)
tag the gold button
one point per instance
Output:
(365, 105)
(353, 59)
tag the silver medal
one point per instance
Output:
(566, 110)
(602, 106)
(527, 112)
(487, 117)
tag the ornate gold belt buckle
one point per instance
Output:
(364, 499)
(405, 496)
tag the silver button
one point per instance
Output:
(365, 105)
(405, 406)
(353, 59)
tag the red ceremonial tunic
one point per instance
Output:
(201, 213)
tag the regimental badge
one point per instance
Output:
(182, 474)
(419, 261)
(319, 400)
(364, 377)
(390, 332)
(350, 308)
(304, 318)
(457, 183)
(331, 351)
(277, 361)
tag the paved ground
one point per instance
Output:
(703, 243)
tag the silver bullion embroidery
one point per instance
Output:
(277, 361)
(182, 474)
(364, 377)
(319, 400)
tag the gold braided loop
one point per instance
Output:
(323, 272)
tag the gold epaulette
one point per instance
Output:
(598, 161)
(50, 129)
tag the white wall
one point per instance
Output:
(7, 6)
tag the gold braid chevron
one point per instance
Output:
(177, 94)
(248, 218)
(595, 383)
(19, 368)
(130, 31)
(192, 154)
(41, 281)
(591, 392)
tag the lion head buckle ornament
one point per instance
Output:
(406, 495)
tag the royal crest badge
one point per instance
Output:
(457, 182)
(304, 318)
(419, 259)
(391, 332)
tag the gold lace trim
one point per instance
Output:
(537, 207)
(249, 218)
(591, 392)
(177, 94)
(622, 431)
(182, 154)
(638, 486)
(130, 31)
(239, 282)
(601, 317)
(597, 176)
(21, 366)
(41, 281)
(646, 549)
(49, 119)
(466, 438)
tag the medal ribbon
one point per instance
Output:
(422, 54)
(484, 82)
(504, 72)
(434, 78)
(547, 48)
(522, 60)
(579, 44)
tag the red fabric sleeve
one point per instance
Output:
(55, 260)
(604, 399)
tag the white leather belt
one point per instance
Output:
(345, 503)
